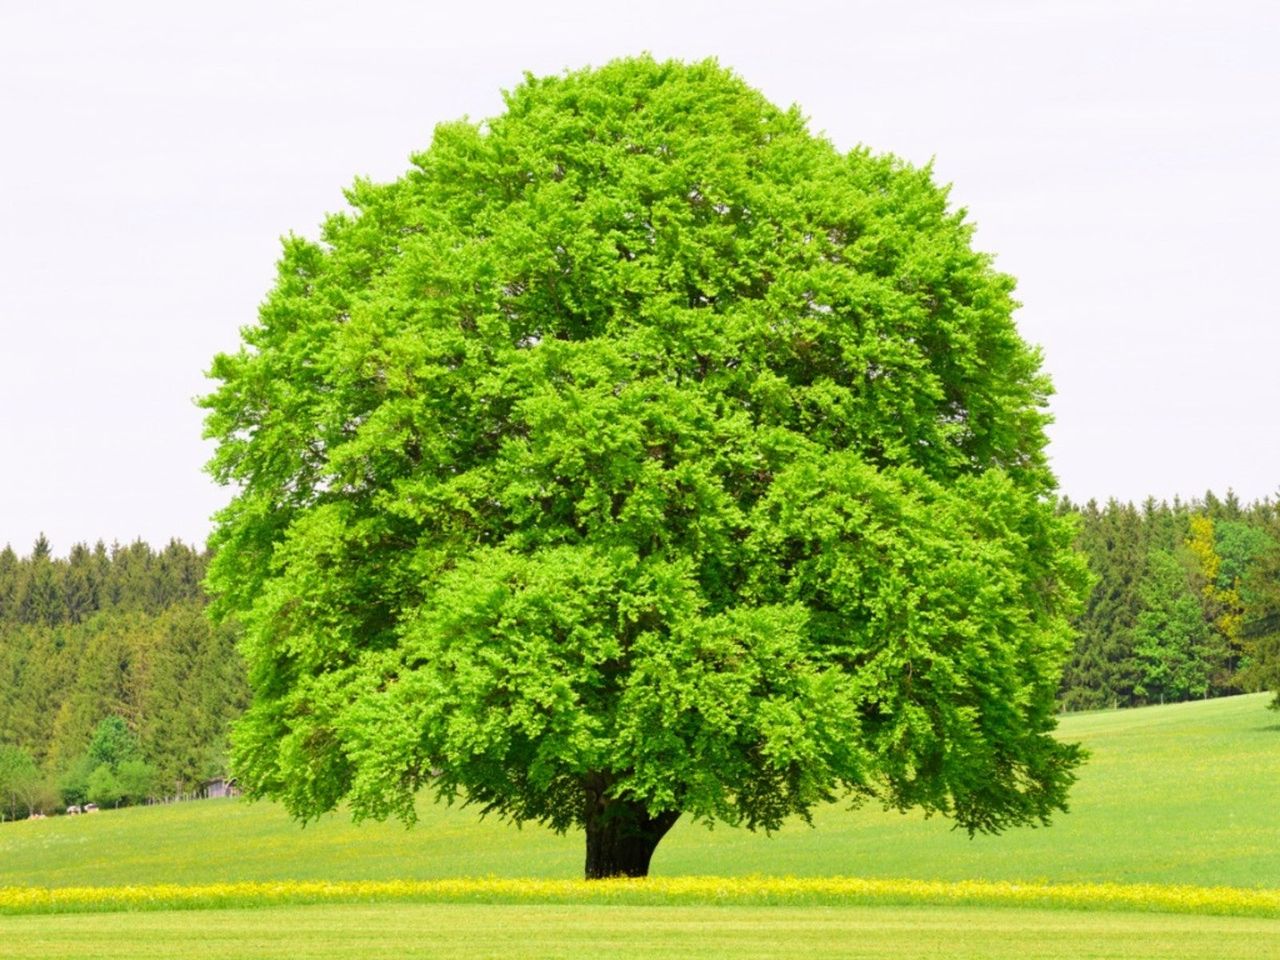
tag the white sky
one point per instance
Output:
(1121, 158)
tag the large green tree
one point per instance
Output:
(640, 454)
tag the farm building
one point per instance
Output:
(221, 787)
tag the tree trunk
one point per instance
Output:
(621, 835)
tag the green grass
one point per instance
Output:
(464, 932)
(1183, 794)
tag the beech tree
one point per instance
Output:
(1171, 638)
(636, 455)
(20, 781)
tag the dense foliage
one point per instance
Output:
(118, 637)
(128, 639)
(639, 454)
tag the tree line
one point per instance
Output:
(113, 685)
(1186, 602)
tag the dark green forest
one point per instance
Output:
(115, 688)
(1186, 603)
(113, 685)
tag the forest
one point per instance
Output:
(115, 688)
(1186, 602)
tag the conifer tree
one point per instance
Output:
(80, 587)
(1260, 631)
(1102, 671)
(40, 599)
(10, 579)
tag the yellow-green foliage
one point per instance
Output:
(638, 453)
(676, 891)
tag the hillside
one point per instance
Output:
(1178, 794)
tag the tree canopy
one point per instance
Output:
(636, 454)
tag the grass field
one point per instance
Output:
(1184, 794)
(462, 932)
(1178, 795)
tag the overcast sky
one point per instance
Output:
(1119, 158)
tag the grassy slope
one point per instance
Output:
(466, 931)
(1178, 794)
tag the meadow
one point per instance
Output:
(1174, 800)
(462, 932)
